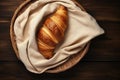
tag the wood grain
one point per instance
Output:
(7, 8)
(82, 71)
(104, 10)
(101, 62)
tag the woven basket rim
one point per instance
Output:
(68, 64)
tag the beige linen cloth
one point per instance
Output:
(82, 28)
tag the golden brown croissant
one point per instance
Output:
(52, 32)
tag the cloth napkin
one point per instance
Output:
(82, 28)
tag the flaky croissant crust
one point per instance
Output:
(52, 31)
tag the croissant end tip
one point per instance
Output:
(62, 7)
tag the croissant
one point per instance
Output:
(52, 32)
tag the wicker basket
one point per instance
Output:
(68, 64)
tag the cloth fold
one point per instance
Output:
(82, 28)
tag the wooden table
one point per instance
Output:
(101, 62)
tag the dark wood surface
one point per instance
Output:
(102, 62)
